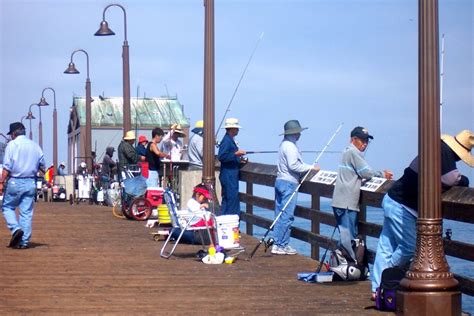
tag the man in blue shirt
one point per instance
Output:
(230, 155)
(23, 158)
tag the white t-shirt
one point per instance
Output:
(194, 208)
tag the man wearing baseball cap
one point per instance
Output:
(23, 158)
(352, 170)
(195, 149)
(397, 241)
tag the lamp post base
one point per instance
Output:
(429, 303)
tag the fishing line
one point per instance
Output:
(276, 151)
(238, 84)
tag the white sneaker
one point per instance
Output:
(289, 250)
(276, 250)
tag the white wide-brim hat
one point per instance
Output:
(130, 135)
(232, 123)
(462, 145)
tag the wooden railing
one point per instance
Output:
(458, 205)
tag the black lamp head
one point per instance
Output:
(71, 69)
(43, 102)
(104, 30)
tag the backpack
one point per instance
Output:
(386, 294)
(345, 267)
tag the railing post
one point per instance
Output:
(315, 224)
(249, 207)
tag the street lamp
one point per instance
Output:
(40, 127)
(55, 124)
(71, 69)
(30, 117)
(104, 30)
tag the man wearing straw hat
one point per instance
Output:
(397, 241)
(172, 142)
(290, 168)
(127, 155)
(230, 155)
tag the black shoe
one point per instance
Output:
(22, 247)
(16, 238)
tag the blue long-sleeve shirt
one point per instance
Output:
(226, 153)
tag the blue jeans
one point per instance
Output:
(229, 179)
(347, 224)
(282, 229)
(396, 242)
(153, 179)
(19, 193)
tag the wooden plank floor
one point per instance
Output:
(85, 261)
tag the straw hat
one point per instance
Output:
(293, 127)
(232, 123)
(199, 124)
(462, 145)
(179, 130)
(130, 135)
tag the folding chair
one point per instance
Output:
(181, 220)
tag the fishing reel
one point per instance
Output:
(268, 243)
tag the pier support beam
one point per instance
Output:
(429, 288)
(208, 172)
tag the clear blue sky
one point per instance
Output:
(322, 62)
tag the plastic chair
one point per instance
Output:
(181, 220)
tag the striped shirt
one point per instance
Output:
(352, 170)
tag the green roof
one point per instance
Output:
(146, 112)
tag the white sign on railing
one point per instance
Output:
(325, 177)
(373, 184)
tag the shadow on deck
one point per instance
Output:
(86, 261)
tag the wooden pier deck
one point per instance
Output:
(85, 261)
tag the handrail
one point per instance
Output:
(457, 205)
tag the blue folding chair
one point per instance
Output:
(181, 221)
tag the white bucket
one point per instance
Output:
(228, 233)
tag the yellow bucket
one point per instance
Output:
(163, 214)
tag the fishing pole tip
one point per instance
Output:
(262, 34)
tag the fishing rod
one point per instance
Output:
(441, 84)
(326, 252)
(276, 151)
(6, 138)
(238, 84)
(294, 193)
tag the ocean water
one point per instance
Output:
(460, 232)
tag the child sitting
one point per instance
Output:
(198, 205)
